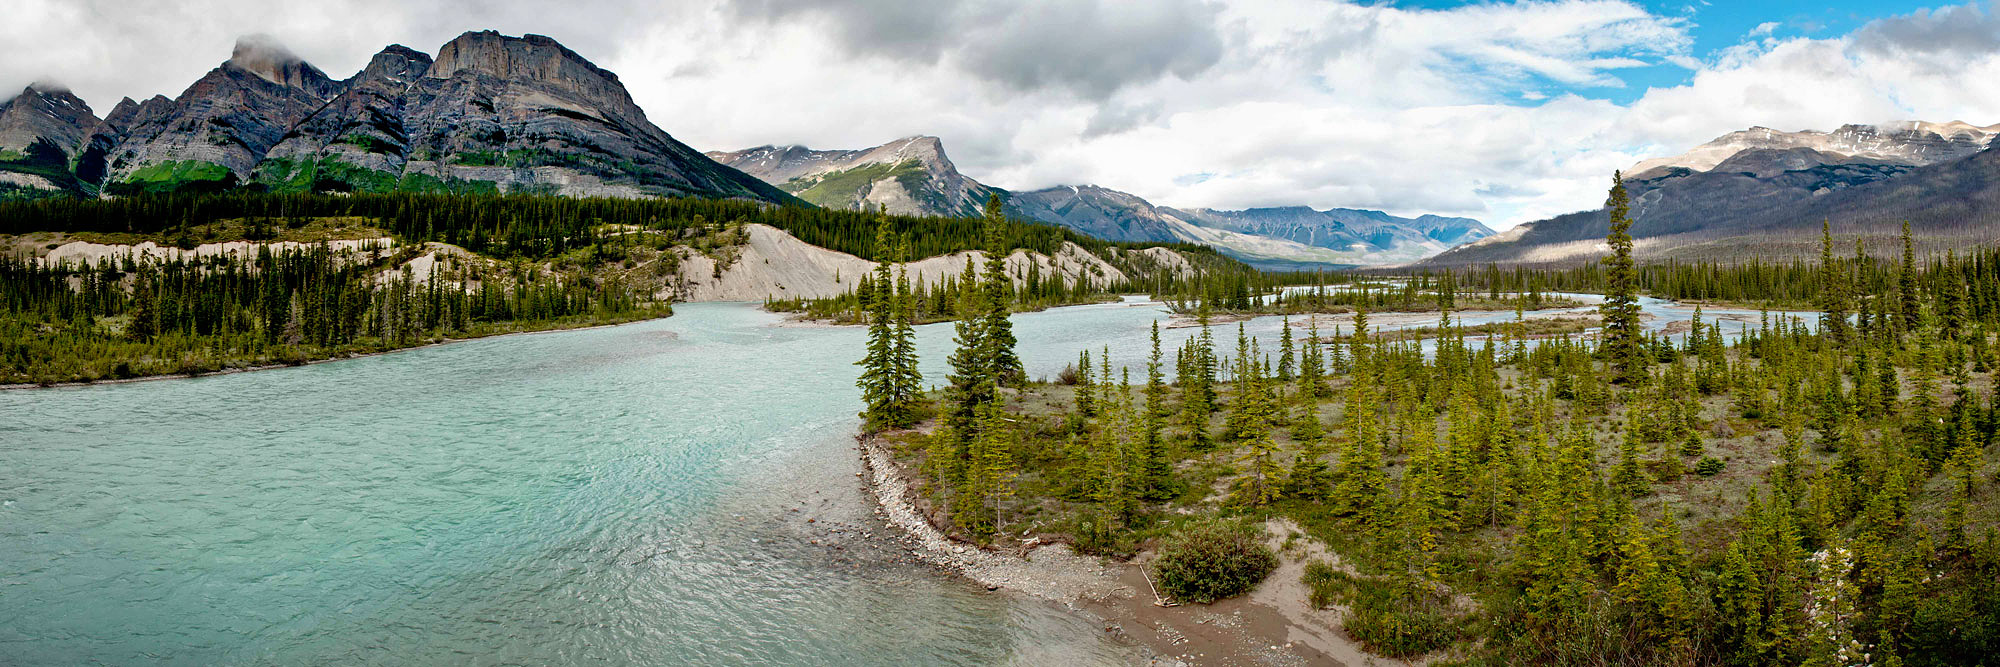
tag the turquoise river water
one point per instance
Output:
(637, 494)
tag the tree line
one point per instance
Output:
(1779, 492)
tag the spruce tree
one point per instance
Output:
(998, 336)
(1312, 367)
(908, 379)
(1359, 480)
(971, 380)
(1622, 344)
(1906, 283)
(1156, 472)
(878, 381)
(1252, 413)
(1832, 288)
(1285, 365)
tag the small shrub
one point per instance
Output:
(1068, 375)
(1709, 466)
(1097, 536)
(1328, 585)
(1400, 619)
(1212, 561)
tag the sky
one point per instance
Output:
(1507, 112)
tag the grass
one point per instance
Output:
(1541, 327)
(330, 173)
(306, 230)
(843, 189)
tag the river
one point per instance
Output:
(679, 491)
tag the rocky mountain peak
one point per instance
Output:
(1904, 142)
(271, 61)
(530, 57)
(397, 63)
(44, 114)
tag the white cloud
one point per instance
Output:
(1481, 110)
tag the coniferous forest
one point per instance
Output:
(506, 263)
(1787, 492)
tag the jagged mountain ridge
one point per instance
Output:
(40, 130)
(489, 113)
(1914, 143)
(1767, 202)
(913, 176)
(908, 176)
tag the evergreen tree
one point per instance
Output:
(1833, 288)
(1285, 365)
(878, 381)
(1155, 470)
(1906, 283)
(999, 330)
(907, 380)
(1251, 418)
(1359, 480)
(1622, 344)
(971, 378)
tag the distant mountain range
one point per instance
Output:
(1762, 193)
(912, 176)
(488, 113)
(492, 113)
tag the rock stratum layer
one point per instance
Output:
(488, 113)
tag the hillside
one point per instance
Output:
(488, 113)
(1768, 203)
(912, 176)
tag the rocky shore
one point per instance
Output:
(1272, 626)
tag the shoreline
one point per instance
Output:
(1272, 624)
(28, 386)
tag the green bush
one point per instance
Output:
(1708, 466)
(1401, 619)
(1328, 585)
(1211, 561)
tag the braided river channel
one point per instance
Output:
(678, 491)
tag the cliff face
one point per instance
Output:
(217, 131)
(908, 176)
(489, 113)
(40, 130)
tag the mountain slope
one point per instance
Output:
(489, 113)
(221, 126)
(1914, 143)
(912, 176)
(40, 130)
(1769, 203)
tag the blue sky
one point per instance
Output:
(1716, 26)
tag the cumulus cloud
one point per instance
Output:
(1092, 47)
(1495, 110)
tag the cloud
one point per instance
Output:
(1945, 33)
(1090, 47)
(1492, 110)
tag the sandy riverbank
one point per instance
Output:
(1273, 625)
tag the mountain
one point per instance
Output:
(1364, 237)
(40, 129)
(488, 113)
(1768, 202)
(910, 176)
(913, 176)
(1908, 142)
